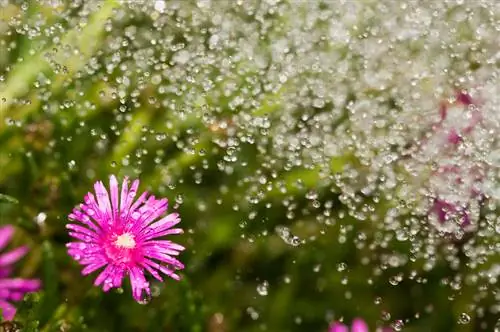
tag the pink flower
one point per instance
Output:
(446, 211)
(458, 118)
(12, 288)
(358, 325)
(123, 236)
(456, 185)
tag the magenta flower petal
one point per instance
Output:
(8, 310)
(25, 285)
(13, 256)
(6, 233)
(338, 327)
(123, 235)
(12, 289)
(359, 325)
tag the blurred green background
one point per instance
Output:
(230, 110)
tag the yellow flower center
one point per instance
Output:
(126, 240)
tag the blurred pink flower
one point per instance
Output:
(12, 289)
(456, 183)
(446, 211)
(455, 123)
(358, 325)
(123, 236)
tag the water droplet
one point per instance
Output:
(286, 235)
(464, 318)
(40, 218)
(253, 313)
(262, 288)
(385, 315)
(145, 299)
(341, 266)
(397, 325)
(71, 164)
(497, 326)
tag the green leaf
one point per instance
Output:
(50, 283)
(27, 313)
(8, 199)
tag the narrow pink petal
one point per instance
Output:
(156, 265)
(169, 273)
(6, 233)
(159, 209)
(103, 275)
(5, 293)
(164, 244)
(164, 258)
(124, 195)
(93, 259)
(81, 237)
(16, 296)
(137, 218)
(160, 234)
(156, 206)
(109, 281)
(165, 223)
(13, 256)
(78, 248)
(155, 209)
(113, 188)
(84, 246)
(148, 214)
(8, 310)
(76, 254)
(359, 325)
(149, 249)
(138, 283)
(138, 202)
(103, 200)
(338, 327)
(107, 286)
(93, 208)
(5, 271)
(129, 198)
(20, 284)
(82, 230)
(150, 269)
(92, 255)
(162, 269)
(118, 277)
(92, 218)
(83, 218)
(31, 285)
(134, 216)
(93, 267)
(464, 98)
(147, 206)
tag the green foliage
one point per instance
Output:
(8, 199)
